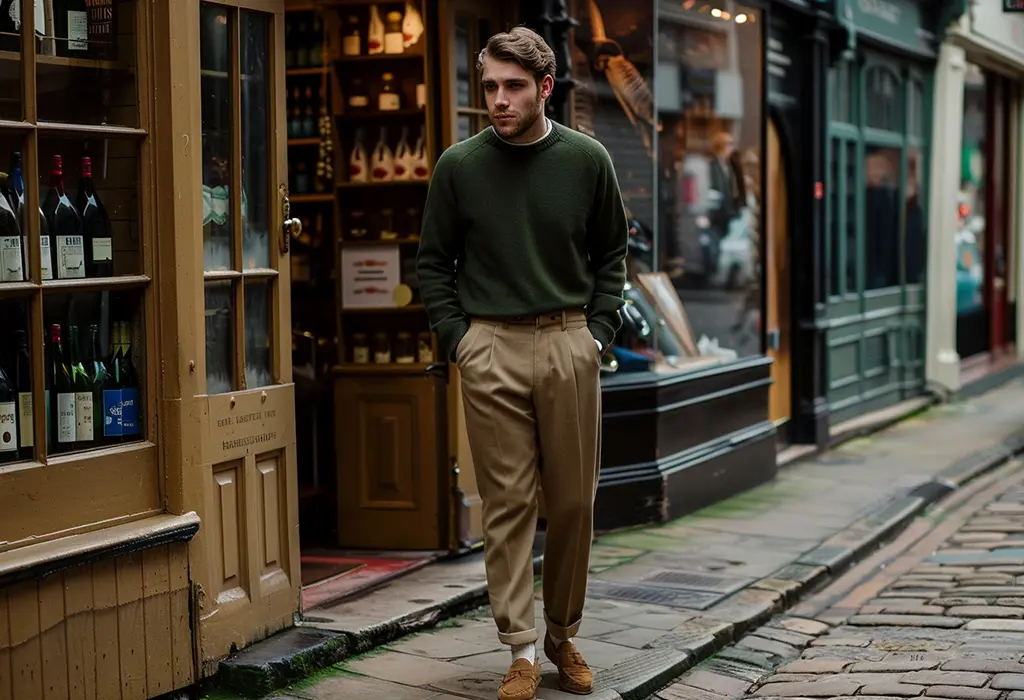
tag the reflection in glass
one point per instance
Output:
(258, 336)
(463, 69)
(220, 349)
(101, 86)
(10, 64)
(709, 175)
(882, 229)
(216, 125)
(914, 245)
(255, 140)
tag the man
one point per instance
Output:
(522, 268)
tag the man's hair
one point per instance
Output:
(523, 46)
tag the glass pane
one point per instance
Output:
(463, 67)
(220, 333)
(884, 99)
(86, 67)
(258, 336)
(89, 199)
(16, 427)
(465, 127)
(10, 59)
(708, 185)
(915, 238)
(94, 369)
(256, 140)
(882, 205)
(216, 115)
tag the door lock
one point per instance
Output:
(291, 227)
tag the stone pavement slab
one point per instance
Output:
(663, 598)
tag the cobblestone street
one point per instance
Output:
(939, 612)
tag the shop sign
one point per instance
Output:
(1004, 30)
(783, 75)
(895, 21)
(248, 422)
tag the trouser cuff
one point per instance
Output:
(515, 639)
(563, 633)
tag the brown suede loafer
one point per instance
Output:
(521, 681)
(574, 676)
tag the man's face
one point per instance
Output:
(515, 102)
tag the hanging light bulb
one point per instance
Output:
(715, 12)
(741, 18)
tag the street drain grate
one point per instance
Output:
(697, 581)
(654, 595)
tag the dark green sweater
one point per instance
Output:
(511, 230)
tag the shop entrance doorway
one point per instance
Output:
(777, 280)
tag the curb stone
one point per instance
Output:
(262, 669)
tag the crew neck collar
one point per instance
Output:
(549, 138)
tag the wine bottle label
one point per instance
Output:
(8, 426)
(102, 250)
(70, 257)
(101, 18)
(112, 413)
(84, 431)
(351, 45)
(361, 354)
(394, 42)
(10, 259)
(78, 30)
(129, 412)
(46, 258)
(388, 101)
(26, 428)
(66, 428)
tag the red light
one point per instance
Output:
(963, 210)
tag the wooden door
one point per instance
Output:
(777, 281)
(250, 579)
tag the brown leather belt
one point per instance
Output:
(546, 319)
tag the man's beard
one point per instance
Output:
(523, 123)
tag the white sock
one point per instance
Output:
(525, 651)
(558, 641)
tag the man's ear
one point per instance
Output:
(547, 85)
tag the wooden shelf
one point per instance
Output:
(382, 114)
(68, 62)
(376, 368)
(380, 242)
(417, 54)
(307, 141)
(387, 183)
(310, 198)
(319, 70)
(95, 284)
(411, 308)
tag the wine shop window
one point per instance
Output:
(238, 261)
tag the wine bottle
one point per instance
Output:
(65, 225)
(393, 33)
(101, 381)
(352, 43)
(23, 383)
(8, 419)
(64, 419)
(12, 259)
(382, 162)
(418, 159)
(403, 156)
(375, 33)
(84, 429)
(102, 31)
(129, 381)
(17, 181)
(388, 100)
(95, 226)
(71, 27)
(358, 163)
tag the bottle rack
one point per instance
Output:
(380, 92)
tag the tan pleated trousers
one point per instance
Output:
(532, 399)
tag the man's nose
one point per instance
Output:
(501, 100)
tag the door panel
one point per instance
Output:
(248, 445)
(777, 279)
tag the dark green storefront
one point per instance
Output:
(875, 239)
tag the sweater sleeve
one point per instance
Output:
(607, 236)
(441, 246)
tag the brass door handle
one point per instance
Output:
(291, 227)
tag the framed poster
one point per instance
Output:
(370, 276)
